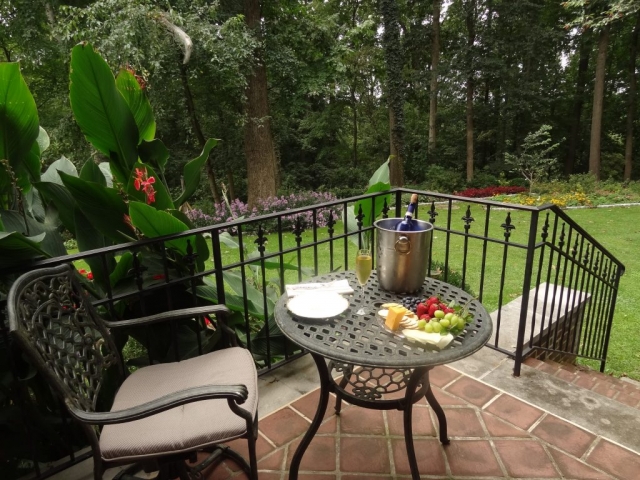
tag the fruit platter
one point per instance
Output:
(431, 320)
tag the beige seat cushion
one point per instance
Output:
(186, 427)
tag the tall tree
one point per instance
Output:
(578, 101)
(598, 103)
(470, 20)
(435, 59)
(599, 15)
(395, 88)
(631, 105)
(259, 149)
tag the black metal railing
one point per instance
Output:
(549, 284)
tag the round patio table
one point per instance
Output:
(376, 363)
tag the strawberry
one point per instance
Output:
(425, 317)
(449, 310)
(432, 308)
(421, 309)
(433, 300)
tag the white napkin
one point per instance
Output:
(338, 286)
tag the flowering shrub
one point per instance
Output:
(238, 209)
(490, 191)
(559, 199)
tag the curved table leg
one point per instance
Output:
(437, 409)
(325, 388)
(417, 375)
(343, 383)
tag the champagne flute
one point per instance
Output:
(363, 271)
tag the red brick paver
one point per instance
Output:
(488, 443)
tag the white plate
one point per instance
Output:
(317, 305)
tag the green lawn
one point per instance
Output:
(618, 229)
(615, 228)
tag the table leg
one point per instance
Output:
(415, 378)
(325, 388)
(346, 373)
(437, 409)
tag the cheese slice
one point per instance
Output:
(395, 317)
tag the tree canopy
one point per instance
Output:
(334, 78)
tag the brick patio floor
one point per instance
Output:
(493, 435)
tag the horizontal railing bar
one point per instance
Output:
(558, 211)
(577, 262)
(481, 237)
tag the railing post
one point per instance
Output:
(217, 265)
(607, 336)
(526, 286)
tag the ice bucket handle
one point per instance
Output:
(403, 245)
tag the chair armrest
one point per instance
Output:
(170, 315)
(235, 393)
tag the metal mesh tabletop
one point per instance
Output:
(363, 340)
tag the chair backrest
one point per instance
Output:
(53, 320)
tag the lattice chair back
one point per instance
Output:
(55, 323)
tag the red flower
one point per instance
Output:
(146, 184)
(89, 276)
(82, 271)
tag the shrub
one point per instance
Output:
(238, 209)
(440, 179)
(483, 179)
(489, 191)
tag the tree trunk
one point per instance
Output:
(578, 101)
(262, 163)
(354, 106)
(470, 21)
(191, 110)
(395, 88)
(396, 168)
(598, 104)
(631, 107)
(435, 59)
(469, 129)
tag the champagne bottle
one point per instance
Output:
(408, 225)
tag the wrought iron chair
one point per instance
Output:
(162, 414)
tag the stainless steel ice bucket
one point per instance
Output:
(402, 257)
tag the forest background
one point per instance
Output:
(315, 95)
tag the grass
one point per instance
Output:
(615, 228)
(618, 229)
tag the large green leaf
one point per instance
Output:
(381, 175)
(156, 223)
(192, 171)
(63, 164)
(379, 182)
(202, 248)
(43, 140)
(15, 248)
(233, 300)
(102, 206)
(91, 172)
(62, 201)
(138, 103)
(162, 198)
(50, 242)
(19, 123)
(100, 110)
(154, 153)
(89, 238)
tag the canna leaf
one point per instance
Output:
(138, 103)
(100, 110)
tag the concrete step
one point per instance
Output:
(625, 391)
(545, 388)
